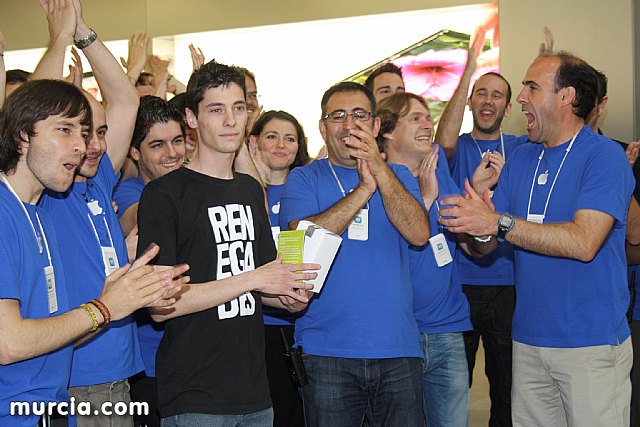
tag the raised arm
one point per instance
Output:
(451, 119)
(119, 94)
(62, 23)
(137, 56)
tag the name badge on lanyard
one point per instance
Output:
(109, 256)
(110, 259)
(440, 249)
(537, 218)
(50, 278)
(359, 228)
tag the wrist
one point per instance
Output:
(505, 224)
(82, 31)
(97, 313)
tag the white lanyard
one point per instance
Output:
(535, 174)
(344, 194)
(24, 209)
(89, 215)
(480, 150)
(95, 231)
(440, 226)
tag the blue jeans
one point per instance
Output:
(342, 391)
(445, 380)
(255, 419)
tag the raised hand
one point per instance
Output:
(427, 177)
(75, 69)
(137, 55)
(488, 172)
(61, 18)
(197, 57)
(632, 152)
(547, 45)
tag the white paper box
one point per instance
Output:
(320, 247)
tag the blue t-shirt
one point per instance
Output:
(113, 354)
(272, 315)
(564, 302)
(42, 378)
(365, 308)
(496, 268)
(126, 194)
(439, 304)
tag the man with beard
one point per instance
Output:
(92, 245)
(385, 81)
(42, 140)
(487, 282)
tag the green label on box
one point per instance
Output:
(290, 246)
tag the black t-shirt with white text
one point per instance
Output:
(211, 361)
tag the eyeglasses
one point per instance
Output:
(341, 116)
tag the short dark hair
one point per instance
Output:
(144, 79)
(179, 102)
(347, 87)
(247, 73)
(602, 85)
(491, 73)
(302, 156)
(390, 109)
(211, 75)
(388, 67)
(31, 103)
(153, 110)
(575, 72)
(17, 76)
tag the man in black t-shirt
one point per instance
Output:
(210, 363)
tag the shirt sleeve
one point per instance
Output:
(157, 223)
(10, 282)
(125, 195)
(299, 199)
(607, 182)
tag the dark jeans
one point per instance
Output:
(491, 310)
(145, 389)
(287, 404)
(341, 392)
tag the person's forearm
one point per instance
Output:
(23, 339)
(451, 118)
(566, 240)
(52, 62)
(203, 296)
(338, 217)
(403, 210)
(115, 86)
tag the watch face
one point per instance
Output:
(505, 221)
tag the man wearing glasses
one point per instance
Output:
(359, 336)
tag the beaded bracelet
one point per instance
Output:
(93, 317)
(106, 315)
